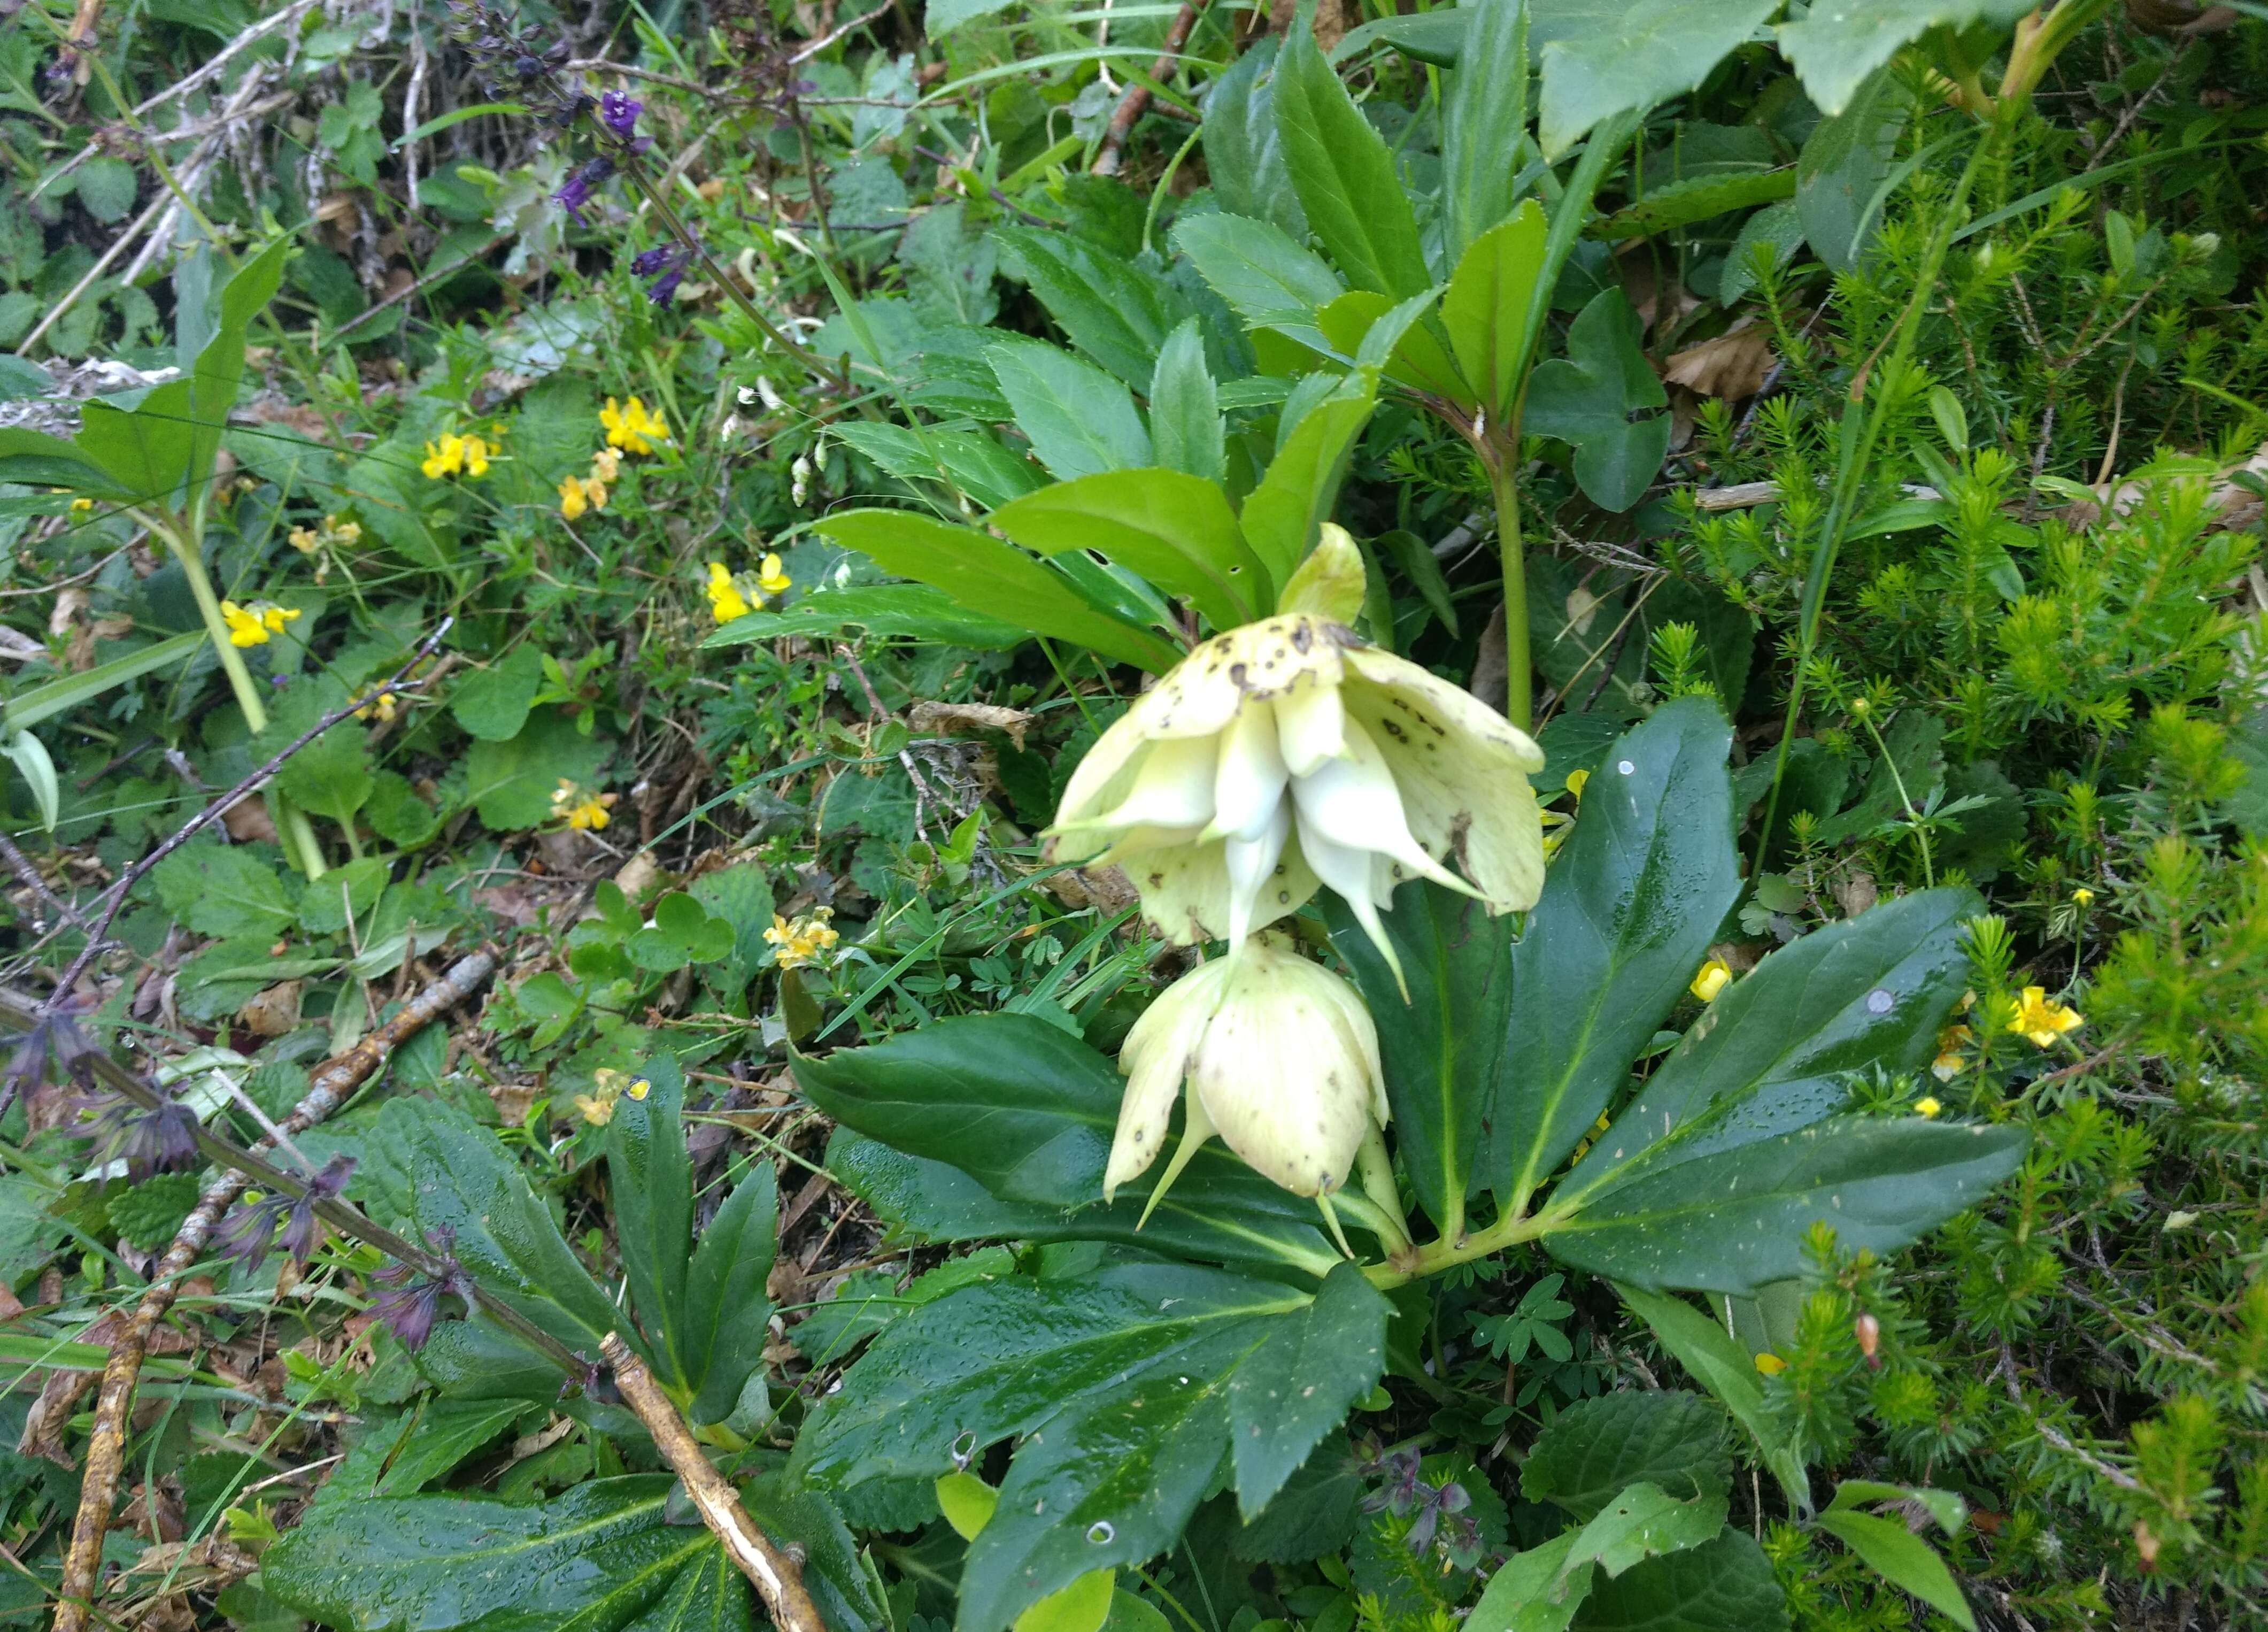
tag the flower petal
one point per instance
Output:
(1172, 787)
(1310, 727)
(1462, 772)
(1249, 782)
(1349, 873)
(1354, 803)
(1294, 1106)
(1186, 889)
(1155, 1058)
(1251, 864)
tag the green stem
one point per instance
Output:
(1857, 450)
(1504, 486)
(1435, 1256)
(299, 834)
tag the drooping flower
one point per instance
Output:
(2042, 1019)
(1279, 1059)
(1713, 978)
(148, 1141)
(630, 427)
(582, 183)
(804, 940)
(725, 601)
(1287, 753)
(252, 626)
(666, 265)
(250, 1234)
(412, 1303)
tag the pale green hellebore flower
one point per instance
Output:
(1280, 1061)
(1287, 754)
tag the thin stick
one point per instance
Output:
(1138, 96)
(777, 1574)
(107, 1446)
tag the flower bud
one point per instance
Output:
(1278, 1056)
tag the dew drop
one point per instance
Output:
(1626, 768)
(1878, 1001)
(1101, 1530)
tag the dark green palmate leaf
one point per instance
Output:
(1125, 1389)
(1027, 1111)
(1444, 1052)
(703, 1309)
(1627, 914)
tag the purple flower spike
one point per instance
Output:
(620, 113)
(580, 184)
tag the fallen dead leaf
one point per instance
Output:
(274, 1012)
(927, 719)
(247, 821)
(68, 604)
(1732, 366)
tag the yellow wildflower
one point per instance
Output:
(630, 427)
(1926, 1106)
(2083, 896)
(476, 456)
(725, 601)
(446, 460)
(605, 464)
(771, 580)
(1769, 1363)
(2042, 1019)
(81, 506)
(580, 808)
(252, 625)
(306, 540)
(572, 502)
(1576, 779)
(804, 939)
(380, 704)
(639, 1090)
(597, 1107)
(1951, 1062)
(1714, 976)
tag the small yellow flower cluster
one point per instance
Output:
(1712, 978)
(608, 1087)
(803, 940)
(579, 493)
(733, 596)
(380, 704)
(630, 427)
(318, 543)
(580, 808)
(458, 455)
(80, 507)
(252, 625)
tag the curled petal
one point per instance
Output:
(1310, 727)
(1349, 873)
(1248, 786)
(1252, 863)
(1173, 788)
(1353, 802)
(1186, 894)
(1155, 1058)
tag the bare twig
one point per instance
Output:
(21, 866)
(114, 898)
(107, 1446)
(1138, 96)
(775, 1573)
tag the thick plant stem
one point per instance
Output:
(774, 1571)
(1504, 485)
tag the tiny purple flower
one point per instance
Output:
(580, 184)
(663, 290)
(620, 113)
(647, 263)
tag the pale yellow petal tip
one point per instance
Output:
(1711, 979)
(1331, 583)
